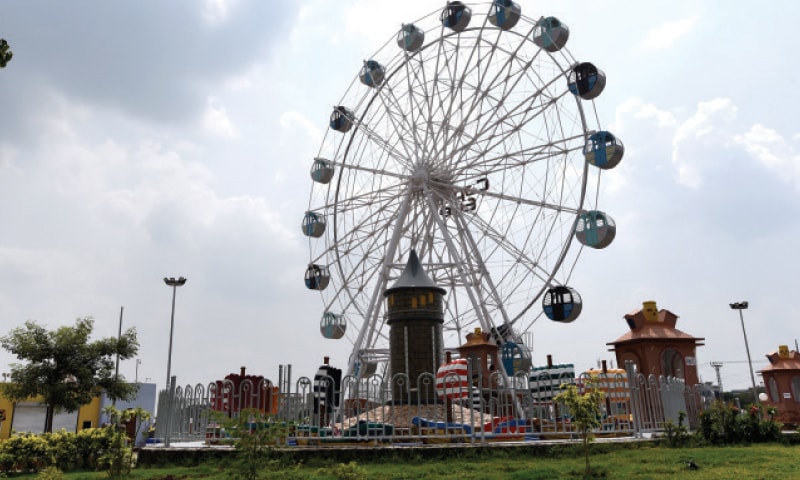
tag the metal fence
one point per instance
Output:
(325, 409)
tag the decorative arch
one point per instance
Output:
(672, 363)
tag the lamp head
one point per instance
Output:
(173, 282)
(739, 305)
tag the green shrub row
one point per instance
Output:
(87, 449)
(725, 424)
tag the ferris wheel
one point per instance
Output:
(470, 139)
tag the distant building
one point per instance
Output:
(29, 415)
(240, 391)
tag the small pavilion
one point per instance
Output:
(782, 379)
(656, 347)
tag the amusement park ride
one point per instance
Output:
(473, 140)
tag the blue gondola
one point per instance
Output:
(456, 16)
(586, 81)
(603, 150)
(515, 358)
(341, 119)
(333, 325)
(550, 34)
(410, 38)
(322, 170)
(372, 73)
(504, 14)
(313, 224)
(561, 304)
(595, 229)
(317, 277)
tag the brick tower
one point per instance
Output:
(415, 314)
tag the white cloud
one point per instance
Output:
(217, 122)
(635, 108)
(697, 140)
(667, 34)
(216, 11)
(293, 121)
(7, 156)
(773, 152)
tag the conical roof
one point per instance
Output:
(413, 276)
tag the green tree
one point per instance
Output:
(118, 457)
(65, 368)
(5, 53)
(584, 409)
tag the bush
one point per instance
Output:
(50, 473)
(676, 435)
(348, 471)
(255, 435)
(63, 450)
(723, 424)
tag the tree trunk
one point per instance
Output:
(48, 419)
(588, 472)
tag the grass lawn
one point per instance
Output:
(765, 461)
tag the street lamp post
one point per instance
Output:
(742, 306)
(174, 283)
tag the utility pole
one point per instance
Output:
(119, 337)
(717, 366)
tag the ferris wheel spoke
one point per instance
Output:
(497, 76)
(493, 158)
(402, 129)
(382, 143)
(488, 129)
(501, 240)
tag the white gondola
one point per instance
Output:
(317, 277)
(456, 16)
(372, 73)
(586, 81)
(504, 14)
(333, 325)
(364, 369)
(410, 38)
(550, 34)
(562, 304)
(341, 119)
(595, 229)
(313, 224)
(603, 150)
(322, 170)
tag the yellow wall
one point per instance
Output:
(89, 412)
(5, 430)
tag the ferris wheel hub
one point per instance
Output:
(420, 177)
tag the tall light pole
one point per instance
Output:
(742, 306)
(174, 283)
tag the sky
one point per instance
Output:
(143, 140)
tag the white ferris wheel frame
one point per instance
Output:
(421, 184)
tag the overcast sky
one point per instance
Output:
(144, 139)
